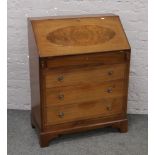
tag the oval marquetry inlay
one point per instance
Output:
(81, 35)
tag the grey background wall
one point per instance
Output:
(133, 14)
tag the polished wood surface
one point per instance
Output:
(75, 94)
(87, 59)
(79, 35)
(84, 110)
(79, 73)
(121, 123)
(34, 79)
(84, 75)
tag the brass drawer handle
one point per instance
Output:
(61, 96)
(110, 72)
(61, 114)
(109, 90)
(60, 78)
(109, 107)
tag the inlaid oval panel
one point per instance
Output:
(81, 35)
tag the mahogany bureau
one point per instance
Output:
(79, 70)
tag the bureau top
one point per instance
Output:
(56, 36)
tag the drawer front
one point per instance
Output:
(73, 112)
(84, 75)
(87, 59)
(83, 93)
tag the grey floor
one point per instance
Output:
(23, 140)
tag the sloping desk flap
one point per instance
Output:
(78, 35)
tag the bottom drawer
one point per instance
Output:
(72, 112)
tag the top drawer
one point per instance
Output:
(87, 59)
(84, 75)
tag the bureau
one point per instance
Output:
(79, 71)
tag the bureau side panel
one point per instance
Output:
(34, 78)
(128, 55)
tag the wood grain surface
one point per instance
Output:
(79, 73)
(79, 35)
(74, 112)
(81, 93)
(104, 58)
(84, 75)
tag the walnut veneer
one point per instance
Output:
(79, 70)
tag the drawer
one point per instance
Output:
(73, 112)
(87, 59)
(84, 75)
(83, 93)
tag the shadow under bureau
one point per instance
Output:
(79, 71)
